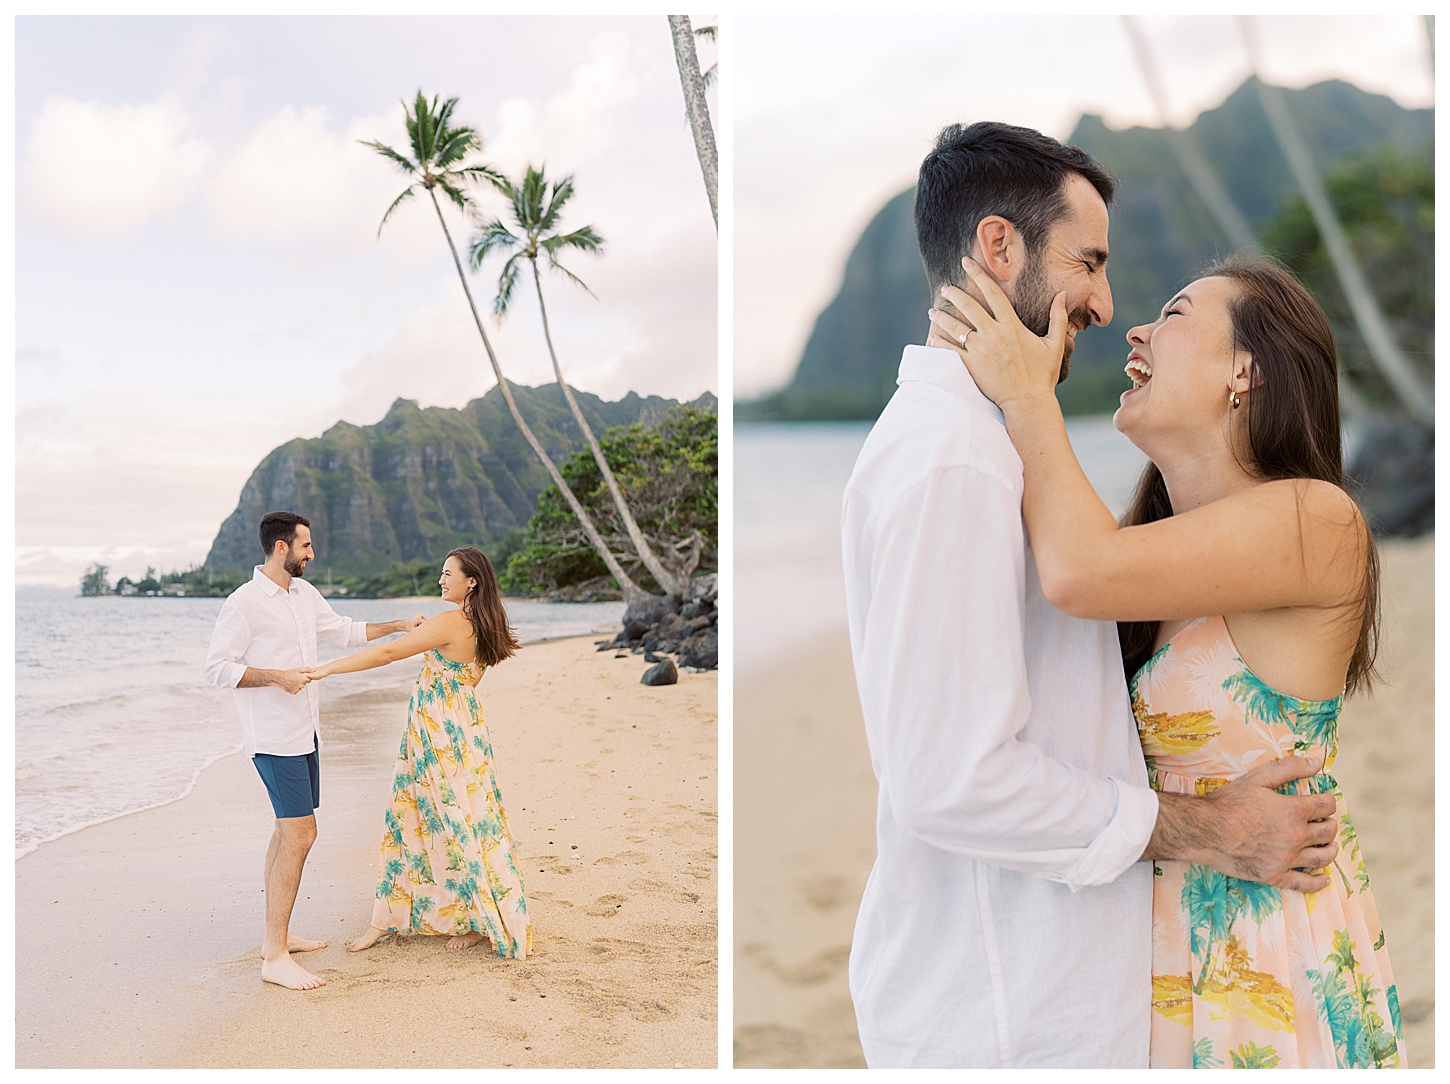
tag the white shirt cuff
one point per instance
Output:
(231, 674)
(1122, 842)
(359, 635)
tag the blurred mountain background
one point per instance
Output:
(1376, 159)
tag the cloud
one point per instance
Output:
(575, 124)
(100, 171)
(317, 190)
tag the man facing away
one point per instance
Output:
(1008, 918)
(265, 636)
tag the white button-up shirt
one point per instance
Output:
(265, 627)
(1007, 920)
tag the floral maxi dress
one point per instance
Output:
(448, 863)
(1246, 976)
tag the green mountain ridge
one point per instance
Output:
(1160, 236)
(419, 482)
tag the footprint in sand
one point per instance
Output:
(606, 906)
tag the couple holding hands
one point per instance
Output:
(447, 864)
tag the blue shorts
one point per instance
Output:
(291, 782)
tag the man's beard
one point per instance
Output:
(294, 565)
(1033, 301)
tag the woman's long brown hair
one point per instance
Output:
(1293, 427)
(493, 637)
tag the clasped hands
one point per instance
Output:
(1006, 359)
(295, 680)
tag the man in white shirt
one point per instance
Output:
(1008, 918)
(265, 636)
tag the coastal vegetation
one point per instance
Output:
(670, 471)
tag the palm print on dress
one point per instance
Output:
(1246, 976)
(448, 864)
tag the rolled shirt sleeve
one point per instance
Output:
(336, 629)
(944, 689)
(229, 640)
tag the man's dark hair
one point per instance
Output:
(280, 527)
(986, 169)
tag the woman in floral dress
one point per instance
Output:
(1242, 515)
(448, 864)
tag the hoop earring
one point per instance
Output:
(1233, 398)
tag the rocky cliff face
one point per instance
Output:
(1160, 236)
(421, 481)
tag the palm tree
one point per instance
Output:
(537, 208)
(693, 84)
(439, 148)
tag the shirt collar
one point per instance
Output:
(270, 585)
(942, 367)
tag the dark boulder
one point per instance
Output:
(1393, 471)
(661, 673)
(643, 613)
(701, 650)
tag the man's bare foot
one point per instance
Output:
(285, 971)
(463, 941)
(299, 944)
(369, 939)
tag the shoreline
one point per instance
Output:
(196, 775)
(162, 971)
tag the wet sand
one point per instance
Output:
(137, 941)
(805, 830)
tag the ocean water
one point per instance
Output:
(112, 714)
(789, 478)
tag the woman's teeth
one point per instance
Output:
(1139, 371)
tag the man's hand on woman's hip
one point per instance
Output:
(1248, 830)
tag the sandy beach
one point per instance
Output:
(137, 940)
(805, 837)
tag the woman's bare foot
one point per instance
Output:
(463, 941)
(369, 939)
(285, 971)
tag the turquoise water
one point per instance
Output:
(112, 714)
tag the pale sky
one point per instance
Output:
(199, 277)
(833, 117)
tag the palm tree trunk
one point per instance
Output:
(671, 583)
(693, 84)
(1392, 363)
(628, 586)
(1206, 184)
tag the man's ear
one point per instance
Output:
(1000, 250)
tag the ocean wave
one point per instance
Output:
(32, 847)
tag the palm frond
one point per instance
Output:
(406, 194)
(710, 75)
(706, 32)
(401, 161)
(562, 193)
(557, 266)
(492, 236)
(585, 239)
(454, 145)
(480, 173)
(427, 128)
(508, 278)
(453, 192)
